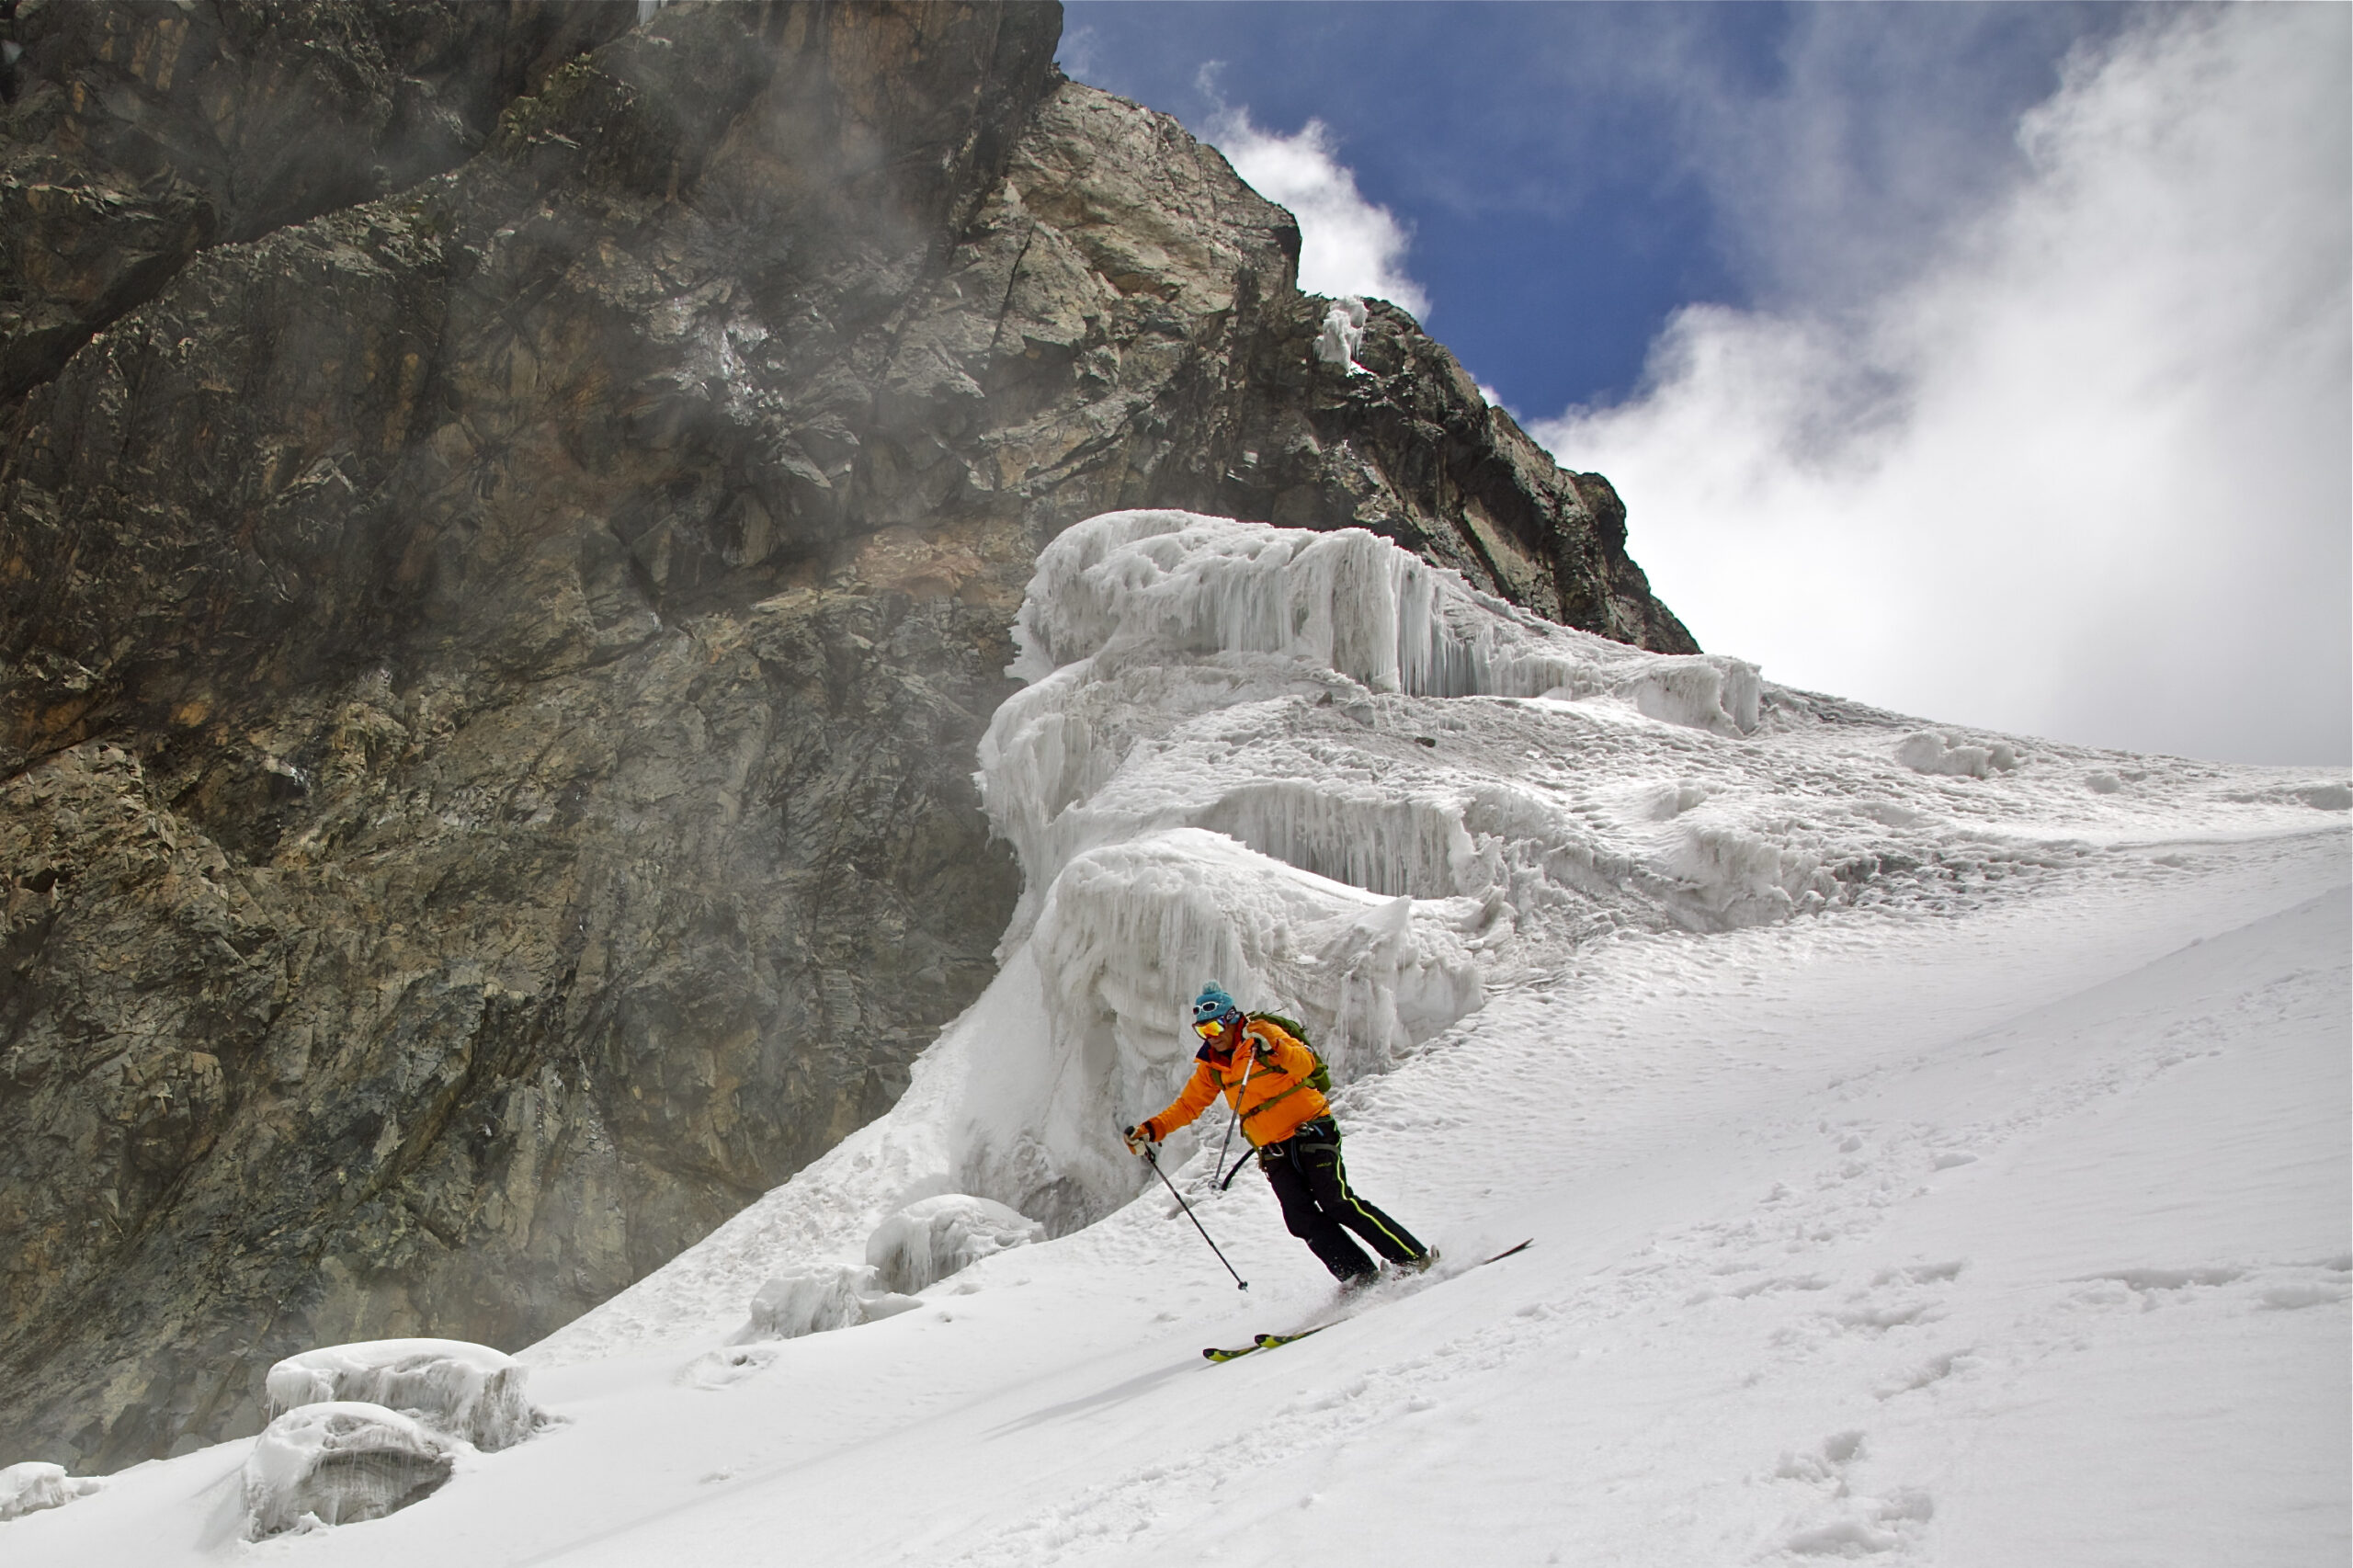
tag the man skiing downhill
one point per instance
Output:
(1263, 1072)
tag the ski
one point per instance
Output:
(1261, 1342)
(1220, 1353)
(1271, 1341)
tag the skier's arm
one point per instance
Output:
(1277, 1049)
(1199, 1091)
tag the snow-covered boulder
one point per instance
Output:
(1924, 751)
(935, 1237)
(1702, 691)
(25, 1488)
(457, 1389)
(821, 1296)
(338, 1463)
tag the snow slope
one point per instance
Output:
(1935, 1142)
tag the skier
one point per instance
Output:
(1287, 1119)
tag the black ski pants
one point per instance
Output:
(1319, 1209)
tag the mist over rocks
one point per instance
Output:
(137, 135)
(493, 638)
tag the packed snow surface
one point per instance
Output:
(1934, 1141)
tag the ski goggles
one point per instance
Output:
(1211, 1029)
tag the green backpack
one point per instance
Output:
(1321, 1079)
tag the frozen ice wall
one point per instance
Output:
(338, 1463)
(1186, 784)
(455, 1388)
(1362, 793)
(1127, 934)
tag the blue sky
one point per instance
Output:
(1562, 169)
(1989, 363)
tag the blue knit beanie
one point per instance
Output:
(1213, 1003)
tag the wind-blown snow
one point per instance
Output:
(1935, 1140)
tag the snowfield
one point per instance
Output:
(1935, 1144)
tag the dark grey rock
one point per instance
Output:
(134, 134)
(489, 674)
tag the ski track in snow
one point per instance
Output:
(1890, 1329)
(1931, 1167)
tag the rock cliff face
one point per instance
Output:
(137, 134)
(505, 555)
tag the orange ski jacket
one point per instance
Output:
(1279, 1097)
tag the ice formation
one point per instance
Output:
(26, 1488)
(1343, 333)
(935, 1237)
(337, 1463)
(921, 1245)
(1924, 751)
(820, 1296)
(459, 1390)
(1368, 796)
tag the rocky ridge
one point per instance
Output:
(490, 646)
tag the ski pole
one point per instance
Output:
(1235, 1120)
(1152, 1157)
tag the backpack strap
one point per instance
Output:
(1272, 1100)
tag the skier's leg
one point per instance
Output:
(1304, 1220)
(1327, 1180)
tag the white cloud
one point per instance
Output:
(2085, 471)
(1079, 53)
(1347, 244)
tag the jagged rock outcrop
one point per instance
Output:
(136, 134)
(489, 673)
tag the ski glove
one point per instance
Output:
(1139, 1139)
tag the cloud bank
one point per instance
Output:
(1347, 244)
(2082, 470)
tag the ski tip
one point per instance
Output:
(1507, 1251)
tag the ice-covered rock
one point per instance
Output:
(1924, 751)
(1348, 602)
(935, 1237)
(455, 1388)
(1700, 690)
(1343, 334)
(815, 1297)
(26, 1488)
(337, 1463)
